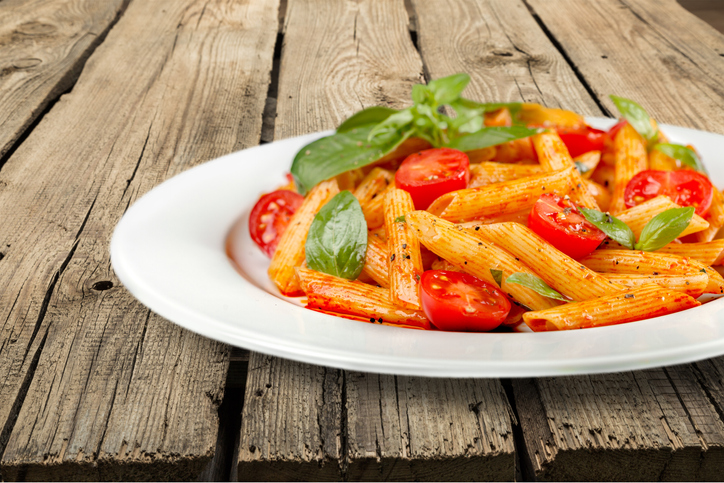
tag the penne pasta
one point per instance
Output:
(404, 248)
(708, 253)
(553, 155)
(377, 261)
(474, 256)
(487, 173)
(332, 294)
(631, 158)
(290, 251)
(557, 269)
(660, 161)
(692, 283)
(370, 194)
(715, 218)
(590, 161)
(637, 217)
(500, 198)
(641, 303)
(599, 193)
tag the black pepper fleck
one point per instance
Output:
(629, 296)
(477, 228)
(392, 257)
(404, 245)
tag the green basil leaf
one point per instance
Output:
(337, 240)
(636, 116)
(341, 152)
(497, 276)
(447, 89)
(536, 284)
(421, 94)
(371, 115)
(613, 227)
(513, 107)
(490, 136)
(664, 228)
(582, 168)
(684, 154)
(394, 123)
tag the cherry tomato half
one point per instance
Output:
(583, 140)
(616, 128)
(430, 174)
(460, 302)
(270, 217)
(685, 188)
(563, 226)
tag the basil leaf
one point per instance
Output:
(513, 107)
(536, 284)
(371, 115)
(684, 154)
(636, 116)
(335, 154)
(400, 219)
(421, 94)
(611, 226)
(447, 89)
(582, 168)
(664, 228)
(490, 136)
(337, 240)
(497, 276)
(394, 123)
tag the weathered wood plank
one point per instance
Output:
(655, 424)
(44, 45)
(118, 392)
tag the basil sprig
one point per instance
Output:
(536, 284)
(337, 240)
(497, 276)
(376, 131)
(661, 230)
(685, 154)
(637, 117)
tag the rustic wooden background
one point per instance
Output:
(102, 100)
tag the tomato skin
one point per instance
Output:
(583, 140)
(459, 302)
(270, 217)
(616, 128)
(684, 187)
(563, 226)
(431, 173)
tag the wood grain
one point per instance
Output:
(44, 46)
(118, 392)
(306, 422)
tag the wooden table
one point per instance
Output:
(100, 101)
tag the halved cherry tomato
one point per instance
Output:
(616, 128)
(460, 302)
(561, 224)
(270, 217)
(685, 188)
(430, 174)
(583, 140)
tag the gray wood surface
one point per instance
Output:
(118, 392)
(44, 46)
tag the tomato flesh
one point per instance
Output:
(583, 140)
(457, 301)
(429, 174)
(561, 224)
(270, 217)
(684, 187)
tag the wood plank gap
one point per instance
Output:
(523, 466)
(270, 105)
(567, 58)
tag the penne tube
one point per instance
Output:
(500, 198)
(599, 193)
(604, 175)
(656, 263)
(631, 158)
(515, 316)
(404, 248)
(553, 155)
(290, 250)
(660, 161)
(474, 256)
(557, 269)
(637, 217)
(715, 218)
(692, 283)
(708, 253)
(332, 294)
(517, 217)
(487, 173)
(514, 151)
(377, 261)
(590, 161)
(442, 264)
(481, 155)
(370, 194)
(641, 303)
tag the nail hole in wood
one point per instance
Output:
(102, 285)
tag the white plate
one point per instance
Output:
(169, 252)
